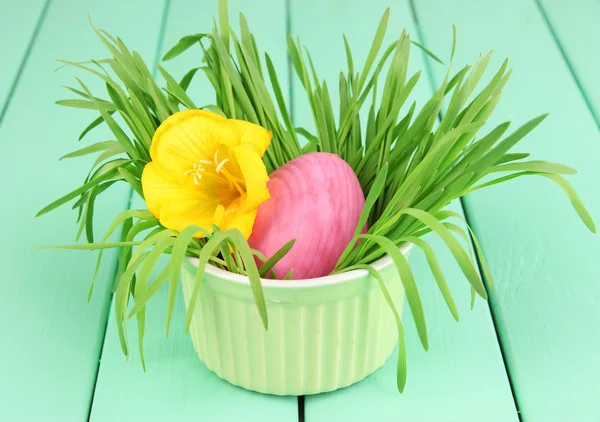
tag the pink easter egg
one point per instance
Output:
(317, 200)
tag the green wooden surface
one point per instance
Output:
(544, 261)
(546, 300)
(18, 22)
(51, 336)
(177, 386)
(575, 26)
(462, 377)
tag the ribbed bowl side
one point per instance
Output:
(310, 347)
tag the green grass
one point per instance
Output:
(410, 163)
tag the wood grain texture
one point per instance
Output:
(18, 21)
(177, 385)
(575, 26)
(51, 336)
(544, 261)
(462, 377)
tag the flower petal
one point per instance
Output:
(178, 221)
(218, 215)
(180, 205)
(201, 214)
(237, 217)
(255, 175)
(255, 135)
(160, 190)
(189, 136)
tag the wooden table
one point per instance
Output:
(531, 354)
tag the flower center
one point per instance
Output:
(215, 170)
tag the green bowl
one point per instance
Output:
(324, 333)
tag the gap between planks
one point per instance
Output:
(415, 18)
(565, 57)
(492, 314)
(24, 60)
(157, 55)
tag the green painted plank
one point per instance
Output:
(51, 336)
(575, 26)
(177, 386)
(543, 259)
(18, 22)
(462, 377)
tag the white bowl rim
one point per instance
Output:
(309, 282)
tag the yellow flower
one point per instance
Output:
(206, 170)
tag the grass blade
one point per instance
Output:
(462, 258)
(506, 144)
(76, 192)
(121, 297)
(187, 78)
(270, 263)
(374, 194)
(534, 165)
(135, 183)
(147, 294)
(487, 273)
(401, 369)
(114, 127)
(428, 52)
(91, 246)
(86, 104)
(97, 147)
(203, 258)
(506, 158)
(253, 274)
(574, 198)
(92, 125)
(410, 287)
(177, 255)
(375, 46)
(438, 275)
(182, 45)
(176, 89)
